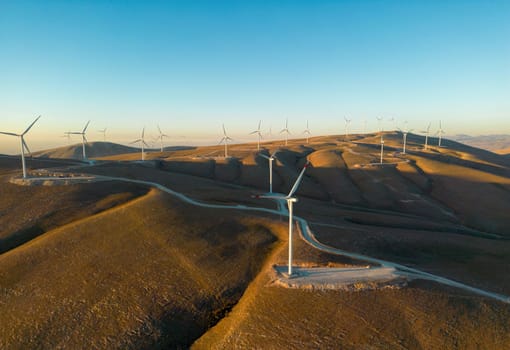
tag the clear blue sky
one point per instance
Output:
(192, 65)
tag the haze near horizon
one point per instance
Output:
(190, 67)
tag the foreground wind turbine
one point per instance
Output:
(346, 133)
(286, 131)
(426, 132)
(24, 145)
(440, 132)
(83, 138)
(225, 139)
(160, 138)
(103, 131)
(142, 142)
(290, 201)
(307, 132)
(404, 134)
(259, 134)
(270, 158)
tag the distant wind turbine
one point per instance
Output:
(380, 120)
(225, 140)
(404, 134)
(307, 132)
(392, 119)
(68, 136)
(142, 142)
(259, 135)
(270, 158)
(346, 133)
(103, 131)
(382, 148)
(24, 145)
(83, 138)
(440, 132)
(160, 138)
(290, 201)
(426, 132)
(286, 131)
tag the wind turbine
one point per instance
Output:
(83, 138)
(404, 134)
(286, 131)
(347, 122)
(382, 148)
(225, 139)
(426, 132)
(440, 132)
(270, 158)
(259, 134)
(142, 142)
(103, 131)
(392, 119)
(68, 137)
(290, 202)
(160, 138)
(24, 145)
(307, 132)
(380, 120)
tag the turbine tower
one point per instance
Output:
(307, 132)
(83, 138)
(346, 133)
(380, 120)
(142, 142)
(286, 131)
(426, 132)
(24, 145)
(290, 202)
(440, 132)
(382, 148)
(103, 131)
(259, 135)
(160, 138)
(404, 135)
(225, 139)
(270, 158)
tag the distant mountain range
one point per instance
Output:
(495, 143)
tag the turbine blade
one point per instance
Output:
(159, 129)
(260, 122)
(298, 181)
(254, 132)
(263, 156)
(9, 133)
(135, 141)
(143, 132)
(274, 153)
(224, 131)
(86, 126)
(85, 138)
(36, 119)
(26, 146)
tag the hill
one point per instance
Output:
(494, 143)
(133, 267)
(92, 149)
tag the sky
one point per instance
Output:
(191, 66)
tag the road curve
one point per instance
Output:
(307, 235)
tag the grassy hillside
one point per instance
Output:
(152, 272)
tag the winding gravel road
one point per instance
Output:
(306, 233)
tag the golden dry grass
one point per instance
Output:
(153, 272)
